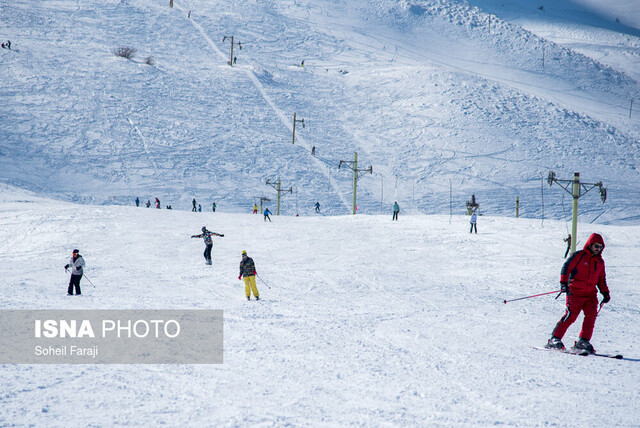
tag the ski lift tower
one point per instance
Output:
(276, 186)
(293, 138)
(353, 165)
(262, 199)
(231, 57)
(578, 189)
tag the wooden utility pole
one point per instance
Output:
(231, 38)
(277, 186)
(353, 165)
(576, 187)
(293, 139)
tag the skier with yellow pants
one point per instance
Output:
(248, 271)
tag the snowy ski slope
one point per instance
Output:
(368, 322)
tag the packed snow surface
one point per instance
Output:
(367, 321)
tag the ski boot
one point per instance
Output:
(584, 345)
(554, 343)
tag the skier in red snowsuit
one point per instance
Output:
(579, 277)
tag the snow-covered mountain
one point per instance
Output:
(482, 97)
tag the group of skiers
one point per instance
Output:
(247, 265)
(199, 207)
(196, 207)
(581, 277)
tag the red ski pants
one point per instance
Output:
(576, 304)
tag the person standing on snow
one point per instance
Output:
(157, 203)
(199, 208)
(255, 208)
(474, 223)
(137, 201)
(148, 203)
(266, 214)
(581, 277)
(568, 241)
(76, 264)
(194, 205)
(208, 242)
(248, 271)
(213, 207)
(317, 206)
(396, 211)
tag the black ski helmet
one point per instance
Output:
(204, 228)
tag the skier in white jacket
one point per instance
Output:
(76, 264)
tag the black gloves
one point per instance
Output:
(606, 297)
(222, 234)
(193, 236)
(564, 287)
(66, 266)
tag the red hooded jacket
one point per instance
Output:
(584, 271)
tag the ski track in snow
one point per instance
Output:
(299, 140)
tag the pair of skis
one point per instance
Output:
(581, 352)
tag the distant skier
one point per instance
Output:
(313, 151)
(266, 214)
(581, 276)
(194, 205)
(568, 241)
(396, 211)
(208, 242)
(137, 201)
(317, 206)
(474, 221)
(255, 208)
(248, 271)
(214, 206)
(199, 208)
(158, 203)
(76, 264)
(148, 203)
(169, 207)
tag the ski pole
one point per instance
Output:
(601, 305)
(85, 275)
(265, 282)
(535, 295)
